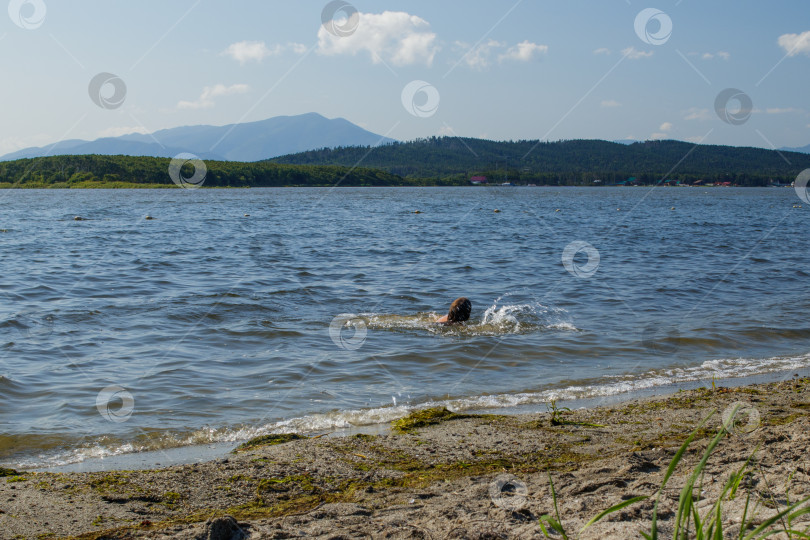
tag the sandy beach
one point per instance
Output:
(442, 475)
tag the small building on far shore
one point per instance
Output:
(478, 180)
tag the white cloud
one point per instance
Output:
(246, 51)
(777, 110)
(391, 36)
(610, 103)
(446, 131)
(695, 113)
(723, 55)
(634, 54)
(795, 43)
(523, 52)
(206, 99)
(123, 130)
(480, 56)
(666, 126)
(601, 50)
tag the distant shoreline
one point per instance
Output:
(5, 186)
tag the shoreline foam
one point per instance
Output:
(444, 475)
(376, 420)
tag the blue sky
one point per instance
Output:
(501, 70)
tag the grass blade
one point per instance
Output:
(685, 503)
(556, 525)
(757, 533)
(670, 470)
(614, 508)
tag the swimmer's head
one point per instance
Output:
(459, 310)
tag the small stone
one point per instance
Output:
(222, 528)
(148, 217)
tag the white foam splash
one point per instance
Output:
(498, 319)
(727, 368)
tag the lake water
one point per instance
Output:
(314, 312)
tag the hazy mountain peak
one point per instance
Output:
(247, 141)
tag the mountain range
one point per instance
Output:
(249, 141)
(803, 149)
(313, 139)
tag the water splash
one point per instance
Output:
(498, 319)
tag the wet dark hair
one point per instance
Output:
(459, 310)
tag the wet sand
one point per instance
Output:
(448, 476)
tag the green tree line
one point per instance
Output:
(434, 161)
(452, 160)
(128, 171)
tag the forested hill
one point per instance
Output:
(126, 171)
(435, 161)
(454, 160)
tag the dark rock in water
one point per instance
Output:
(222, 528)
(79, 218)
(148, 217)
(8, 472)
